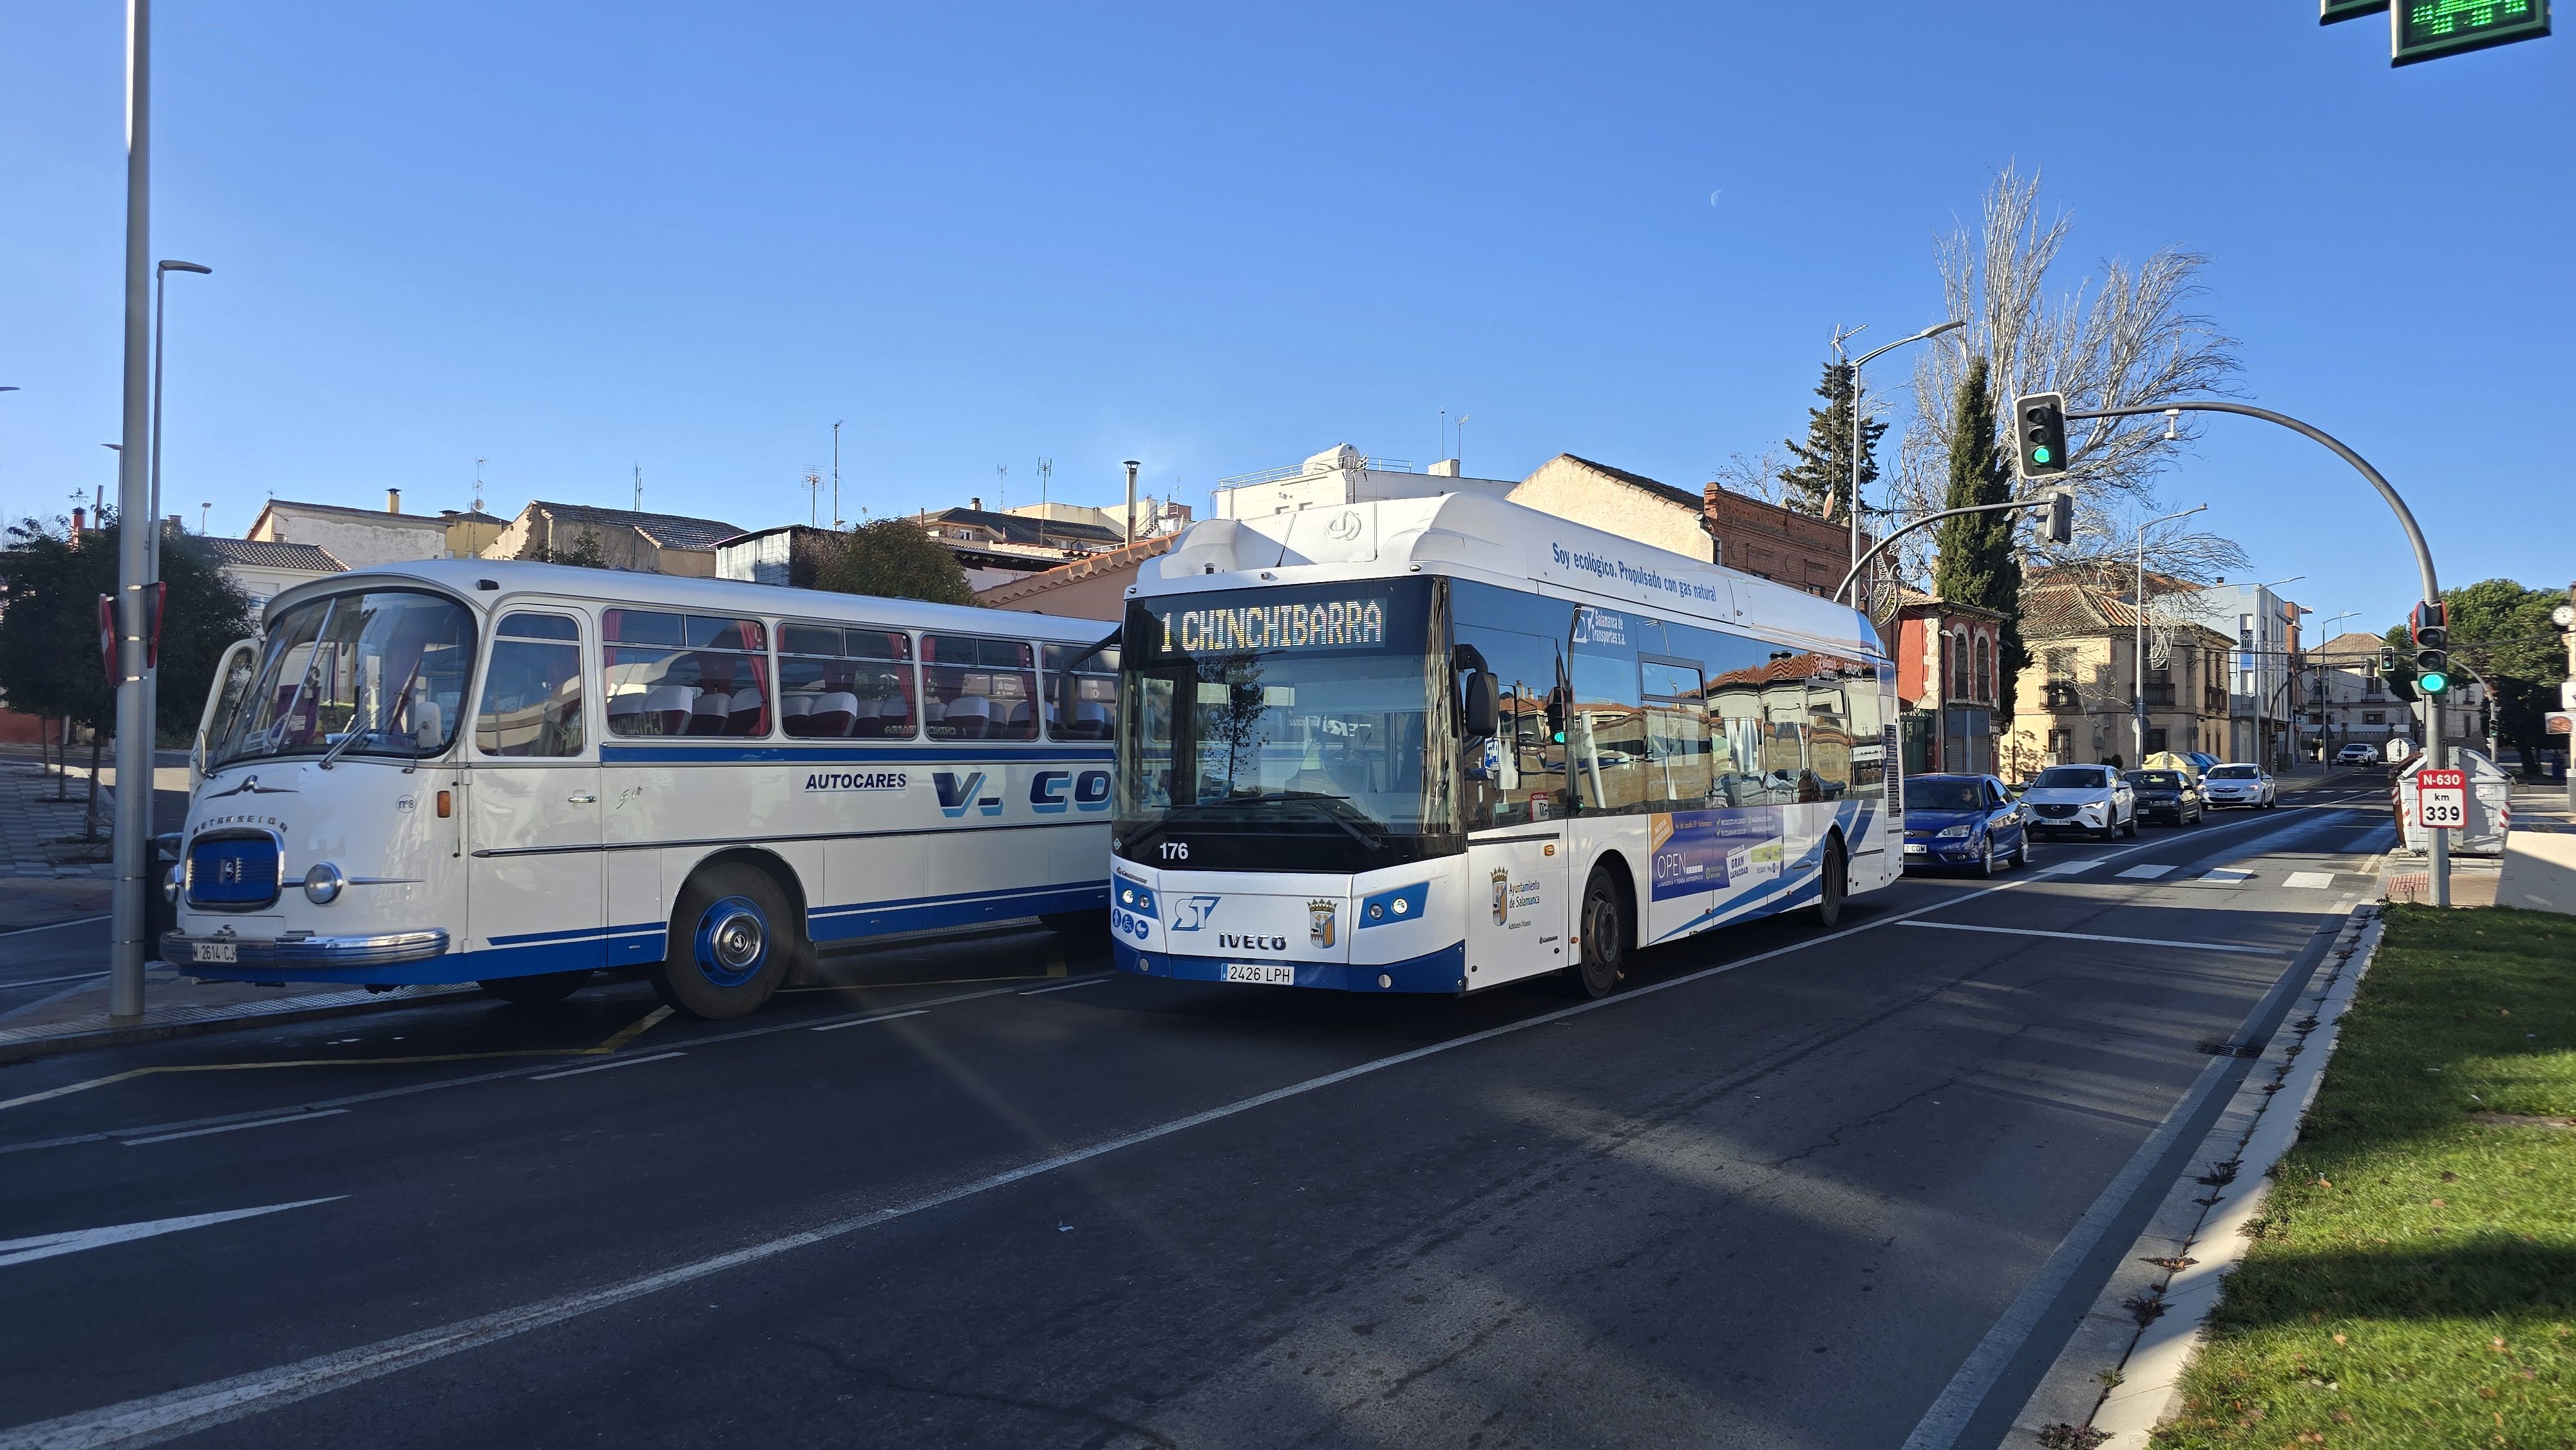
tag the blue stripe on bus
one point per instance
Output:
(1442, 971)
(641, 943)
(843, 754)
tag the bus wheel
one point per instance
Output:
(1832, 875)
(733, 938)
(1603, 955)
(1088, 926)
(543, 990)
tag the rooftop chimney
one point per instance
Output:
(80, 520)
(977, 504)
(393, 500)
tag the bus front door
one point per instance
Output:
(535, 895)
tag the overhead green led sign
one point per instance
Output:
(2330, 11)
(2429, 29)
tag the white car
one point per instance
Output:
(2250, 786)
(2357, 753)
(2092, 799)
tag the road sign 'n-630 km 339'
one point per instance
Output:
(2442, 799)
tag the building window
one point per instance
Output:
(1985, 667)
(2374, 717)
(2155, 741)
(1959, 665)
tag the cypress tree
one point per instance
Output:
(1978, 564)
(1820, 481)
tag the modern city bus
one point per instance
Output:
(1442, 743)
(521, 774)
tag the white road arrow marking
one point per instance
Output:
(46, 1246)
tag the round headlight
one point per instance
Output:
(322, 884)
(171, 881)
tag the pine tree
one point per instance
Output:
(1820, 481)
(894, 559)
(1978, 564)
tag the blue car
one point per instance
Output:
(1966, 821)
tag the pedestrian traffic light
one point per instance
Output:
(2058, 526)
(2039, 433)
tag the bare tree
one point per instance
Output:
(2131, 337)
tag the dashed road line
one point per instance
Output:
(1069, 986)
(2143, 941)
(47, 1246)
(269, 1122)
(604, 1066)
(864, 1021)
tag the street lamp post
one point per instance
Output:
(2138, 662)
(2325, 703)
(133, 830)
(1856, 365)
(160, 325)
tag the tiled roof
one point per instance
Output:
(1682, 496)
(669, 531)
(265, 554)
(2067, 611)
(378, 516)
(1021, 529)
(1080, 569)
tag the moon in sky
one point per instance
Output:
(1714, 195)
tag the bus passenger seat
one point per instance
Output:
(667, 708)
(795, 712)
(748, 715)
(970, 717)
(832, 714)
(1090, 720)
(709, 713)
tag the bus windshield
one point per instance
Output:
(1291, 729)
(378, 673)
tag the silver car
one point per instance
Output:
(2249, 786)
(2092, 799)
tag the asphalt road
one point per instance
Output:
(1774, 1192)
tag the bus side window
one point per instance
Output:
(978, 689)
(1678, 747)
(685, 674)
(1081, 701)
(532, 689)
(1606, 743)
(1829, 736)
(1527, 781)
(836, 683)
(1785, 775)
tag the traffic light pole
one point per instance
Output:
(2436, 751)
(1925, 522)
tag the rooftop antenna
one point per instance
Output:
(813, 496)
(478, 485)
(639, 489)
(1046, 474)
(1001, 488)
(836, 477)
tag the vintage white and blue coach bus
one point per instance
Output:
(521, 774)
(1438, 744)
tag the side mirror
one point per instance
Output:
(1484, 705)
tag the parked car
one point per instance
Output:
(1963, 820)
(2358, 753)
(2091, 799)
(2250, 786)
(2167, 795)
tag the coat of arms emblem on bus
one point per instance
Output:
(1502, 897)
(1319, 921)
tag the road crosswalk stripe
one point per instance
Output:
(2145, 873)
(2143, 941)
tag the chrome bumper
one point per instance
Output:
(391, 950)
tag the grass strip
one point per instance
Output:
(2413, 1279)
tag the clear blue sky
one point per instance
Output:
(571, 238)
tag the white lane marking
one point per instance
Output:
(2065, 868)
(236, 1127)
(2310, 880)
(603, 1066)
(42, 981)
(1069, 986)
(864, 1021)
(2142, 941)
(2144, 873)
(57, 925)
(186, 1411)
(2226, 876)
(46, 1246)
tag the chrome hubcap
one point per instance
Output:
(737, 941)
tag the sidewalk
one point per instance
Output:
(76, 1019)
(41, 884)
(2540, 851)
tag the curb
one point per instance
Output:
(2199, 1231)
(21, 1044)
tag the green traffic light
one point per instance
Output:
(2433, 682)
(2039, 454)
